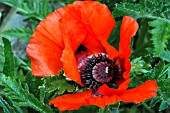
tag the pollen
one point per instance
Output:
(107, 70)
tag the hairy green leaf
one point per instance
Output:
(160, 71)
(165, 55)
(42, 93)
(139, 66)
(159, 9)
(2, 59)
(18, 109)
(169, 73)
(9, 68)
(110, 3)
(164, 88)
(164, 105)
(59, 83)
(85, 109)
(154, 101)
(114, 108)
(39, 9)
(160, 35)
(18, 93)
(6, 106)
(19, 33)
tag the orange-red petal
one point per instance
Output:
(110, 50)
(70, 64)
(75, 101)
(68, 58)
(97, 16)
(76, 17)
(71, 101)
(110, 96)
(126, 74)
(88, 13)
(138, 94)
(105, 90)
(45, 46)
(102, 101)
(74, 29)
(128, 30)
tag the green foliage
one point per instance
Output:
(144, 9)
(113, 108)
(14, 90)
(20, 33)
(164, 89)
(9, 68)
(154, 101)
(159, 73)
(165, 55)
(151, 9)
(37, 9)
(163, 105)
(160, 35)
(59, 83)
(12, 87)
(2, 59)
(85, 109)
(6, 106)
(110, 3)
(139, 66)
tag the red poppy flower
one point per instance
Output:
(74, 38)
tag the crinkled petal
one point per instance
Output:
(71, 101)
(102, 101)
(93, 44)
(45, 46)
(75, 29)
(68, 57)
(75, 17)
(126, 74)
(138, 94)
(110, 50)
(70, 64)
(110, 96)
(88, 13)
(91, 41)
(128, 30)
(75, 101)
(97, 16)
(105, 90)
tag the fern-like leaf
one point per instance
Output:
(58, 83)
(159, 9)
(20, 33)
(38, 9)
(9, 66)
(2, 59)
(160, 35)
(165, 55)
(6, 106)
(19, 93)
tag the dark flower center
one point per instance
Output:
(100, 72)
(98, 69)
